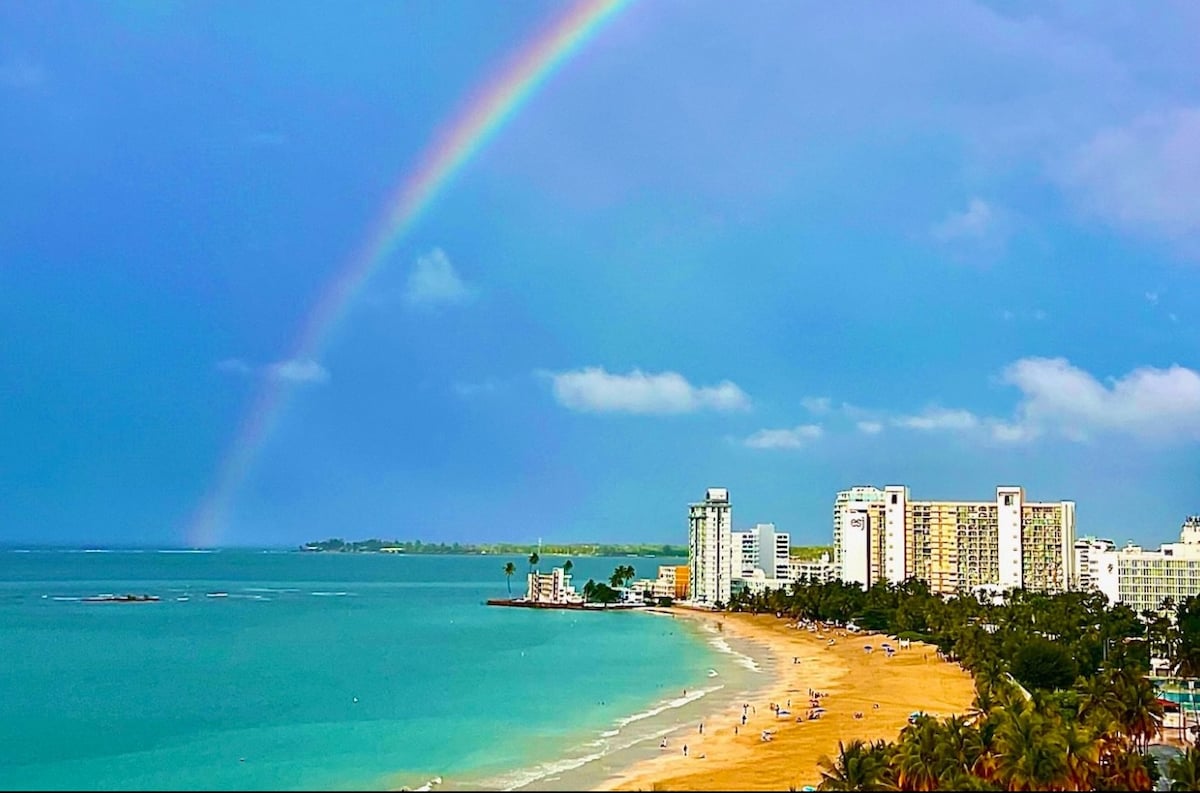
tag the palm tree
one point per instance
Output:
(1031, 757)
(915, 759)
(858, 766)
(533, 561)
(568, 566)
(1139, 713)
(510, 570)
(1083, 756)
(1184, 771)
(960, 749)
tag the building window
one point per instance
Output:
(1008, 501)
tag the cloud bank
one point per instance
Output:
(794, 438)
(594, 390)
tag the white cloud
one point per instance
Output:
(1007, 315)
(817, 405)
(977, 234)
(975, 222)
(594, 390)
(1058, 399)
(293, 371)
(1148, 403)
(793, 438)
(1142, 177)
(299, 371)
(1011, 433)
(20, 73)
(936, 418)
(434, 281)
(1152, 297)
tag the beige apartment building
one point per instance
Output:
(954, 545)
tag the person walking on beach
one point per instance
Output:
(743, 717)
(685, 750)
(701, 728)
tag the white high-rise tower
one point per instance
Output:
(710, 548)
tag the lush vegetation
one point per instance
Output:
(600, 593)
(810, 553)
(1062, 698)
(493, 549)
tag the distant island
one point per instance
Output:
(337, 545)
(494, 549)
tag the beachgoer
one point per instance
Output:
(685, 750)
(701, 728)
(743, 718)
(735, 729)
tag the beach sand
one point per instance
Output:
(853, 680)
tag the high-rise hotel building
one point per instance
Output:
(861, 495)
(710, 548)
(883, 535)
(1148, 580)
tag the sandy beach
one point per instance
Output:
(728, 755)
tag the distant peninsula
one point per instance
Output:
(494, 549)
(337, 545)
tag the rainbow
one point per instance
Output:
(490, 107)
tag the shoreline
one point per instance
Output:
(744, 667)
(732, 756)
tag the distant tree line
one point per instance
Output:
(810, 553)
(338, 545)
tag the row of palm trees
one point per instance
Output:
(1083, 720)
(1091, 737)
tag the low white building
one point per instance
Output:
(818, 571)
(1144, 579)
(757, 582)
(552, 587)
(672, 582)
(643, 585)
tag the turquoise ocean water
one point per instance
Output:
(328, 671)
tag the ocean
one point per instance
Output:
(332, 671)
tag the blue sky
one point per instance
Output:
(785, 250)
